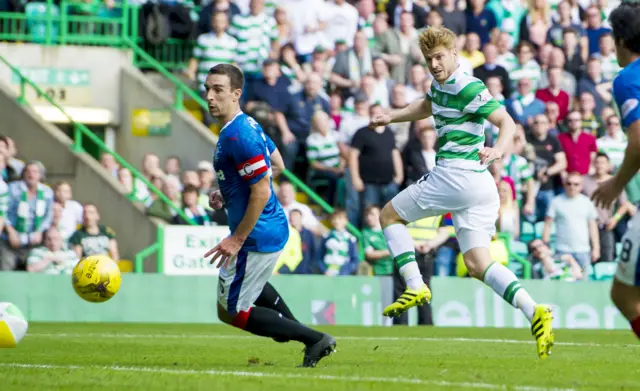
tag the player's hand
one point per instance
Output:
(488, 155)
(226, 251)
(606, 193)
(380, 120)
(215, 200)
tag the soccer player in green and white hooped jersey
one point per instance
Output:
(460, 183)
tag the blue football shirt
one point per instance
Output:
(626, 91)
(242, 158)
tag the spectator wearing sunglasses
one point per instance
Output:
(614, 141)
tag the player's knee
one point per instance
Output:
(389, 216)
(477, 260)
(224, 315)
(618, 296)
(626, 298)
(240, 319)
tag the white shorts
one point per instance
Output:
(240, 285)
(471, 197)
(628, 271)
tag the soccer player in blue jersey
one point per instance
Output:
(625, 291)
(259, 227)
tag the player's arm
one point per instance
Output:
(277, 163)
(417, 110)
(507, 128)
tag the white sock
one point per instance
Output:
(403, 251)
(506, 284)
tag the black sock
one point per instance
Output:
(270, 298)
(266, 322)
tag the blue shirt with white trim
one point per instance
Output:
(242, 158)
(626, 91)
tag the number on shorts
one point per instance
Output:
(626, 249)
(221, 284)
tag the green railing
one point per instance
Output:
(49, 24)
(156, 248)
(80, 131)
(174, 54)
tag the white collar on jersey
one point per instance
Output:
(232, 119)
(451, 77)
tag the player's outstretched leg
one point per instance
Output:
(627, 300)
(403, 251)
(506, 284)
(270, 298)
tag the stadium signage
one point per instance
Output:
(184, 245)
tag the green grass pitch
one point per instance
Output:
(218, 357)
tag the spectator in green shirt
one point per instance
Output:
(376, 251)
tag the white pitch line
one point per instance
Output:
(351, 379)
(347, 338)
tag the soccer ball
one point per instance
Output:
(13, 325)
(96, 278)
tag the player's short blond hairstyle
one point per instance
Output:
(434, 37)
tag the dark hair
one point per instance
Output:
(569, 30)
(236, 78)
(189, 189)
(602, 154)
(625, 25)
(369, 208)
(339, 212)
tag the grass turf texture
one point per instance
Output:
(218, 357)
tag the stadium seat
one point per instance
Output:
(519, 248)
(604, 271)
(36, 14)
(516, 268)
(618, 248)
(528, 232)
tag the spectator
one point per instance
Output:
(526, 66)
(366, 17)
(574, 61)
(375, 148)
(481, 21)
(395, 8)
(555, 34)
(509, 213)
(554, 93)
(544, 56)
(312, 98)
(552, 111)
(71, 210)
(614, 141)
(491, 68)
(434, 19)
(206, 14)
(161, 210)
(207, 178)
(323, 154)
(352, 122)
(591, 123)
(472, 49)
(284, 26)
(376, 251)
(567, 80)
(352, 65)
(134, 189)
(10, 172)
(190, 177)
(309, 22)
(536, 23)
(212, 48)
(29, 215)
(257, 39)
(401, 130)
(287, 198)
(401, 48)
(579, 146)
(506, 58)
(289, 66)
(594, 84)
(550, 162)
(594, 28)
(93, 238)
(415, 88)
(383, 84)
(607, 56)
(421, 159)
(108, 162)
(53, 257)
(308, 248)
(518, 169)
(338, 253)
(342, 22)
(16, 164)
(336, 111)
(454, 19)
(609, 218)
(550, 267)
(151, 166)
(523, 106)
(191, 209)
(575, 217)
(284, 110)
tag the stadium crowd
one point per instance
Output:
(317, 71)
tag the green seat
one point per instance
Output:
(37, 21)
(528, 232)
(604, 271)
(519, 248)
(517, 268)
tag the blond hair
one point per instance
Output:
(434, 37)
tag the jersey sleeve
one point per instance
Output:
(271, 146)
(248, 154)
(476, 99)
(627, 95)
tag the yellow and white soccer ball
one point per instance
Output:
(13, 325)
(96, 278)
